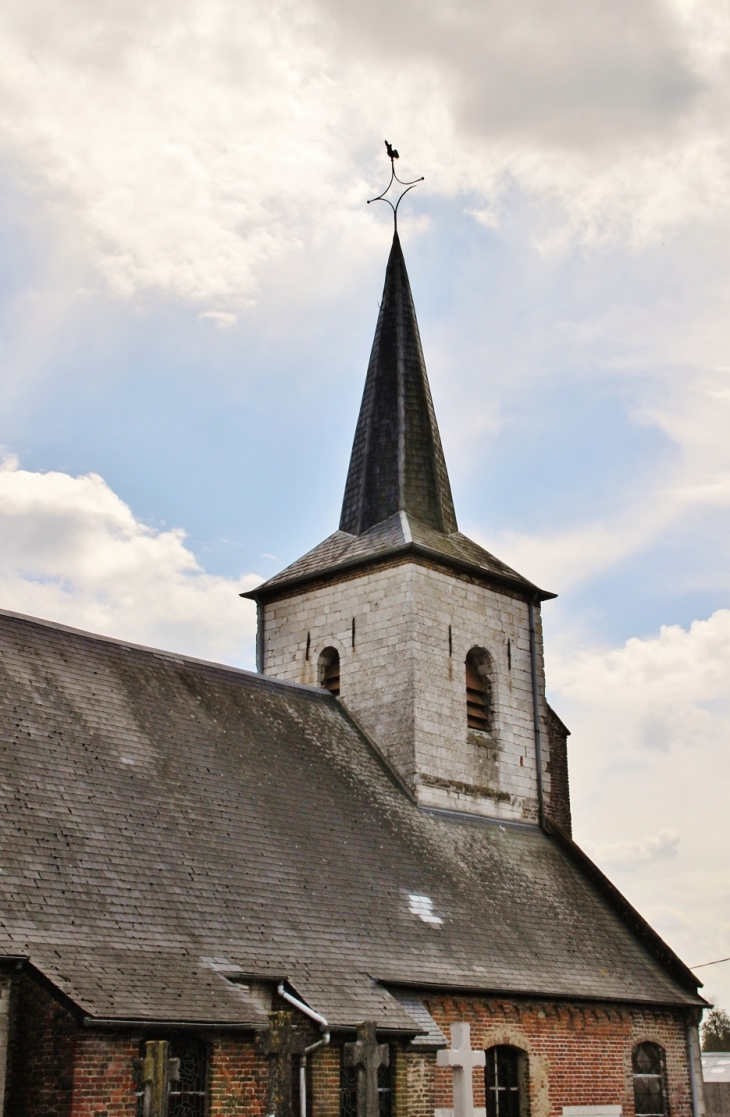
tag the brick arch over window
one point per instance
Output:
(507, 1081)
(648, 1065)
(328, 670)
(479, 690)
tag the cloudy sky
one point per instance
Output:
(188, 291)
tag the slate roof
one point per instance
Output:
(399, 536)
(397, 461)
(158, 811)
(397, 495)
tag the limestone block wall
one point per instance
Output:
(376, 669)
(403, 677)
(492, 773)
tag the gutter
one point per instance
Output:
(536, 712)
(259, 636)
(323, 1027)
(695, 1073)
(111, 1022)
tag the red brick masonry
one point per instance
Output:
(579, 1054)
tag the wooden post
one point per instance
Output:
(158, 1071)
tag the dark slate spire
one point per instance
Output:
(397, 462)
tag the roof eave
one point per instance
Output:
(124, 1022)
(482, 989)
(516, 585)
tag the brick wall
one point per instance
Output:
(408, 691)
(578, 1054)
(58, 1068)
(103, 1085)
(326, 1082)
(559, 808)
(41, 1051)
(238, 1078)
(415, 1087)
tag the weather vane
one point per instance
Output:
(393, 155)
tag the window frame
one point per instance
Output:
(520, 1107)
(659, 1076)
(479, 670)
(329, 670)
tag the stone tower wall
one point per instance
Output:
(408, 692)
(377, 673)
(491, 773)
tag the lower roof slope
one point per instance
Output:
(158, 812)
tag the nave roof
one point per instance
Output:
(158, 812)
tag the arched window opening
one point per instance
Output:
(478, 690)
(647, 1064)
(506, 1082)
(329, 670)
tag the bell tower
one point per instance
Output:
(432, 643)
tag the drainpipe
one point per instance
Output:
(260, 637)
(323, 1027)
(536, 716)
(698, 1109)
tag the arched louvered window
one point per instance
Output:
(478, 690)
(329, 670)
(506, 1082)
(650, 1097)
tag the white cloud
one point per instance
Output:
(571, 556)
(693, 411)
(73, 552)
(657, 692)
(651, 722)
(194, 143)
(223, 319)
(638, 851)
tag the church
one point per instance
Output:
(343, 885)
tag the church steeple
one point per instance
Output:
(432, 642)
(397, 462)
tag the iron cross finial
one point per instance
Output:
(393, 155)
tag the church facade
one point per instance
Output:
(344, 886)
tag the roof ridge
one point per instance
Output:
(163, 653)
